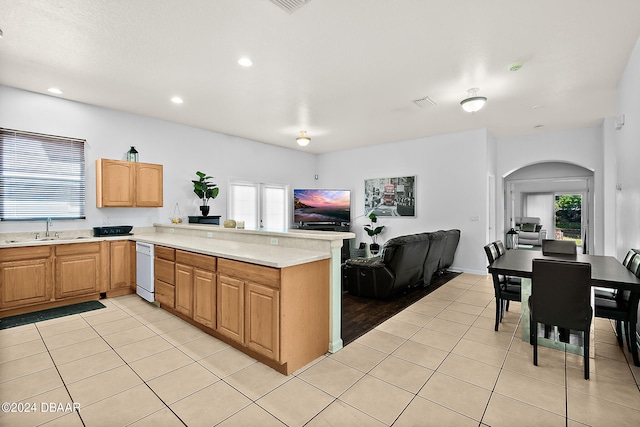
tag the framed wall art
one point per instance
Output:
(390, 196)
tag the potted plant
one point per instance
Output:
(205, 190)
(373, 232)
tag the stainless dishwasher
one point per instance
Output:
(144, 270)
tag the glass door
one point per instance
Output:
(569, 223)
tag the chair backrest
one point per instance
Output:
(627, 259)
(634, 265)
(561, 293)
(500, 247)
(492, 252)
(565, 247)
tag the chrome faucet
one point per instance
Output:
(49, 224)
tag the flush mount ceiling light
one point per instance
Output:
(303, 140)
(55, 90)
(473, 102)
(177, 100)
(245, 62)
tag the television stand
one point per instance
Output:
(321, 226)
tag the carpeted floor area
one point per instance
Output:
(51, 313)
(360, 315)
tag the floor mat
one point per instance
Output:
(360, 315)
(51, 313)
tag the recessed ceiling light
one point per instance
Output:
(55, 90)
(177, 100)
(245, 62)
(535, 107)
(538, 126)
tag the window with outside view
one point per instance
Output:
(568, 218)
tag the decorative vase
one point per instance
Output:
(374, 248)
(205, 210)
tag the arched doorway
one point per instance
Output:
(560, 194)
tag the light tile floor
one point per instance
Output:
(438, 363)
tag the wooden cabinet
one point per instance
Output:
(77, 268)
(249, 306)
(230, 307)
(26, 276)
(204, 297)
(128, 184)
(196, 286)
(149, 187)
(262, 320)
(119, 264)
(164, 268)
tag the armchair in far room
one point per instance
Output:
(530, 231)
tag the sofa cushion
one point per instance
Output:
(528, 227)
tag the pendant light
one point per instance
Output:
(473, 102)
(303, 140)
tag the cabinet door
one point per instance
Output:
(77, 275)
(120, 265)
(149, 185)
(25, 282)
(115, 183)
(230, 307)
(184, 289)
(262, 320)
(204, 298)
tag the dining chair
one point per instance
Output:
(505, 288)
(623, 308)
(561, 296)
(611, 293)
(559, 247)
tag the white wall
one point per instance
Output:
(451, 187)
(182, 150)
(583, 147)
(628, 158)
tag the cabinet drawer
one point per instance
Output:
(77, 248)
(260, 274)
(165, 293)
(31, 252)
(164, 270)
(205, 262)
(165, 253)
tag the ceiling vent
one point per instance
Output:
(290, 6)
(424, 102)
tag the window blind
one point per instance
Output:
(41, 176)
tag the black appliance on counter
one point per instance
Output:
(114, 230)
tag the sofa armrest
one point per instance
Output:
(374, 262)
(542, 236)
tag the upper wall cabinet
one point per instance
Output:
(128, 184)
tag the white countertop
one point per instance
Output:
(268, 255)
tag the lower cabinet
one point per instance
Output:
(230, 307)
(164, 268)
(248, 311)
(77, 269)
(195, 287)
(26, 276)
(262, 320)
(119, 264)
(204, 297)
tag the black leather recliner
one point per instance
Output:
(405, 262)
(400, 266)
(437, 240)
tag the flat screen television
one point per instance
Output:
(321, 206)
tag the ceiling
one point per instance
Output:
(347, 72)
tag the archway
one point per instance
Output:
(535, 191)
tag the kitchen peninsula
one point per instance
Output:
(278, 294)
(274, 295)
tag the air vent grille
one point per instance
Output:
(290, 6)
(424, 102)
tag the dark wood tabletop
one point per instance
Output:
(606, 271)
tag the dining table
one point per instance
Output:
(606, 272)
